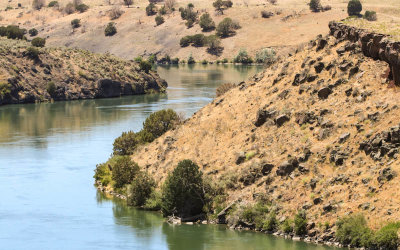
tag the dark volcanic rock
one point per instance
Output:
(324, 92)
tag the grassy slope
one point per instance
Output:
(215, 135)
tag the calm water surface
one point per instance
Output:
(47, 156)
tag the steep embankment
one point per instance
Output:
(68, 74)
(317, 131)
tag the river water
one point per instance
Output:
(47, 156)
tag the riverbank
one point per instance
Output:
(31, 75)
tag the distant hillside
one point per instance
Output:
(42, 74)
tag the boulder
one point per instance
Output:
(280, 120)
(324, 92)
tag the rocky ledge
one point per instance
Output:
(62, 74)
(374, 45)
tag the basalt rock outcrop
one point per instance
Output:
(374, 45)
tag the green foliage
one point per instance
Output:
(152, 59)
(33, 32)
(38, 4)
(160, 122)
(53, 4)
(124, 171)
(138, 59)
(154, 202)
(76, 23)
(189, 15)
(255, 214)
(126, 143)
(151, 9)
(199, 40)
(12, 32)
(141, 188)
(110, 30)
(51, 88)
(206, 22)
(354, 8)
(33, 53)
(315, 5)
(300, 223)
(287, 226)
(387, 237)
(162, 10)
(354, 230)
(81, 7)
(183, 193)
(226, 28)
(214, 44)
(5, 89)
(103, 173)
(266, 56)
(159, 20)
(38, 42)
(221, 5)
(243, 57)
(145, 66)
(191, 59)
(370, 15)
(270, 223)
(175, 60)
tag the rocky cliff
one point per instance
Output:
(374, 45)
(68, 74)
(317, 131)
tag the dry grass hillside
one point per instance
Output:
(317, 131)
(292, 24)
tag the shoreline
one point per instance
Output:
(325, 239)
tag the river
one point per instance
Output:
(48, 153)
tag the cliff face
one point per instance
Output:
(374, 45)
(317, 131)
(68, 74)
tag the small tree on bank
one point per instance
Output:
(128, 2)
(183, 193)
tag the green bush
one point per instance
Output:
(154, 202)
(191, 59)
(354, 230)
(270, 223)
(162, 10)
(12, 32)
(175, 60)
(300, 223)
(287, 226)
(189, 15)
(151, 9)
(243, 57)
(160, 122)
(387, 237)
(38, 42)
(33, 32)
(81, 7)
(51, 88)
(214, 44)
(226, 28)
(206, 22)
(76, 23)
(38, 4)
(103, 173)
(221, 5)
(266, 56)
(124, 171)
(315, 5)
(5, 89)
(354, 8)
(145, 66)
(255, 214)
(125, 144)
(199, 40)
(110, 29)
(53, 4)
(159, 20)
(183, 193)
(141, 188)
(32, 53)
(370, 15)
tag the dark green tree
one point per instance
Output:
(124, 171)
(183, 193)
(141, 188)
(354, 8)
